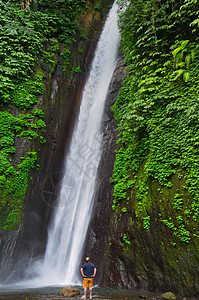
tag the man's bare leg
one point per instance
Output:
(90, 293)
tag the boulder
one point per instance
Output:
(168, 295)
(69, 292)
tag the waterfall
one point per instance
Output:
(68, 229)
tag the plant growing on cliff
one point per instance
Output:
(25, 36)
(157, 113)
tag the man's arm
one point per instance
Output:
(82, 272)
(95, 270)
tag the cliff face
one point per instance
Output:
(60, 102)
(141, 258)
(127, 252)
(153, 238)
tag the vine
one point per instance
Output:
(25, 36)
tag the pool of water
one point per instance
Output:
(51, 293)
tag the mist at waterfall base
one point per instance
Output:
(68, 228)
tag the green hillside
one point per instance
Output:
(29, 39)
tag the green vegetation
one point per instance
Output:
(157, 112)
(26, 35)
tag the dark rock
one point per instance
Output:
(143, 297)
(69, 292)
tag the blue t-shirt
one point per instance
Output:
(88, 269)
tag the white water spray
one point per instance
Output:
(71, 219)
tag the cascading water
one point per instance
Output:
(68, 229)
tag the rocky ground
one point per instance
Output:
(71, 293)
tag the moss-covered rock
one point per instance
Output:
(154, 229)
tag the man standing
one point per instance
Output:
(88, 271)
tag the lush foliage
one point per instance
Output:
(26, 35)
(157, 112)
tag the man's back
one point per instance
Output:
(88, 269)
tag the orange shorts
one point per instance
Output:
(87, 282)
